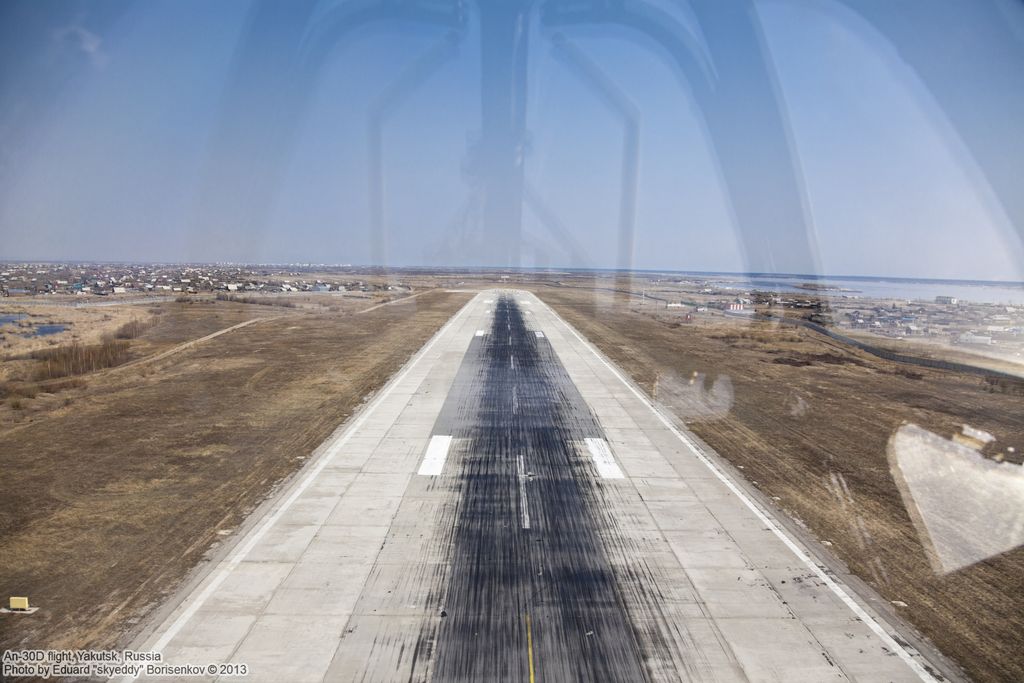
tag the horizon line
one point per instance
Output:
(535, 269)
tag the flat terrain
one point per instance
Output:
(84, 325)
(162, 328)
(510, 508)
(112, 497)
(981, 356)
(808, 421)
(119, 481)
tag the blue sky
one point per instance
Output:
(171, 131)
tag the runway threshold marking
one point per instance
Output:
(603, 459)
(437, 453)
(529, 645)
(808, 561)
(524, 506)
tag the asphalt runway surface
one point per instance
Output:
(510, 508)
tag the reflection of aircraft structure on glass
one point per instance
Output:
(497, 161)
(557, 472)
(966, 507)
(717, 51)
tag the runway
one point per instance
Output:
(510, 508)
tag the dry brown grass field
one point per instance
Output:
(118, 480)
(808, 421)
(111, 499)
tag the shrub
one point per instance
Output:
(78, 359)
(17, 390)
(258, 301)
(132, 329)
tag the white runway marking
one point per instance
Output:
(479, 333)
(515, 400)
(437, 453)
(523, 505)
(819, 571)
(603, 459)
(488, 301)
(540, 334)
(241, 552)
(512, 361)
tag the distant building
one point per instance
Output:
(948, 300)
(971, 338)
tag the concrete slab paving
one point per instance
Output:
(358, 571)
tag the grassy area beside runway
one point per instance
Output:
(111, 498)
(807, 421)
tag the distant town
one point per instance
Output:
(27, 279)
(992, 330)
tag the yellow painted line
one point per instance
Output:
(529, 645)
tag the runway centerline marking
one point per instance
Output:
(437, 453)
(523, 503)
(603, 459)
(529, 645)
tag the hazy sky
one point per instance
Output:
(229, 130)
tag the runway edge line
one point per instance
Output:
(821, 572)
(242, 551)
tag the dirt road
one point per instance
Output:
(117, 496)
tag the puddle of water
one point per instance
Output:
(45, 330)
(6, 318)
